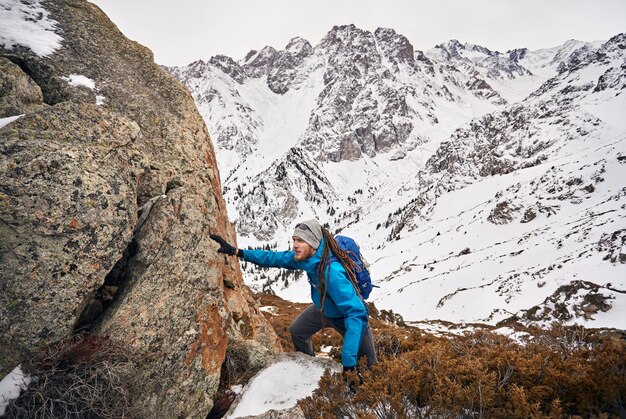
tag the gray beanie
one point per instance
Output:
(310, 231)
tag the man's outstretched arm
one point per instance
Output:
(266, 258)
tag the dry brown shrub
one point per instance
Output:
(79, 378)
(237, 367)
(560, 372)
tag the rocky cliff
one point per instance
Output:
(109, 189)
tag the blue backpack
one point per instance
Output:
(364, 280)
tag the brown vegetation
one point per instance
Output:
(79, 378)
(561, 372)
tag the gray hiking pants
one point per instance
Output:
(311, 321)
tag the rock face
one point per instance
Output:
(18, 93)
(108, 192)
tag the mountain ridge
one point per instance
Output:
(385, 131)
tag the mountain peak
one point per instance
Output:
(394, 46)
(572, 42)
(345, 34)
(256, 63)
(454, 48)
(343, 28)
(298, 46)
(228, 66)
(196, 69)
(450, 49)
(517, 54)
(618, 41)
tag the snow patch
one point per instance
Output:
(78, 80)
(9, 119)
(27, 23)
(269, 309)
(11, 386)
(281, 385)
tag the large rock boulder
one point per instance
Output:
(18, 92)
(109, 190)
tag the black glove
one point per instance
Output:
(348, 376)
(225, 247)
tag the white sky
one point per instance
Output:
(185, 30)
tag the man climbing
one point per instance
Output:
(336, 301)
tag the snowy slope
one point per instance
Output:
(393, 146)
(525, 212)
(502, 245)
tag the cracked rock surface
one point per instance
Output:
(75, 174)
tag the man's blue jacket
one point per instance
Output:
(344, 302)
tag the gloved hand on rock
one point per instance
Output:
(226, 247)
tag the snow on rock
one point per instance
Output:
(269, 309)
(26, 23)
(11, 386)
(291, 377)
(78, 80)
(9, 119)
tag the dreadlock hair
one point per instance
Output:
(332, 247)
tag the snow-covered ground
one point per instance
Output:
(460, 267)
(292, 377)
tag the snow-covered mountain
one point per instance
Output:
(482, 186)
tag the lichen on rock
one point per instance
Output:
(76, 174)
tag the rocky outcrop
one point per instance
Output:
(18, 93)
(395, 47)
(257, 63)
(362, 105)
(284, 71)
(228, 66)
(109, 190)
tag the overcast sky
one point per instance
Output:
(182, 31)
